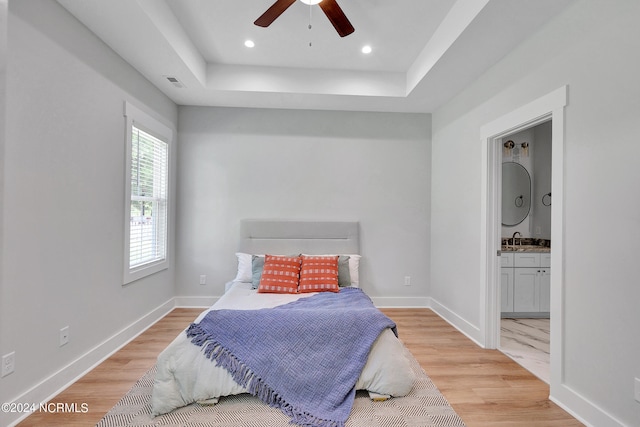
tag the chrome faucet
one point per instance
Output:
(513, 238)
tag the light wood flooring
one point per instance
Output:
(485, 387)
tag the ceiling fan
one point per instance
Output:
(329, 7)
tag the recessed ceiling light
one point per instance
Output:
(249, 43)
(310, 2)
(366, 49)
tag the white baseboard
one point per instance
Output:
(401, 302)
(581, 408)
(568, 399)
(470, 331)
(195, 302)
(60, 380)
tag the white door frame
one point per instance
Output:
(547, 107)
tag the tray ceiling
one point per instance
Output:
(424, 52)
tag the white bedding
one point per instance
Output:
(185, 375)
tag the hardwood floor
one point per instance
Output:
(105, 385)
(485, 387)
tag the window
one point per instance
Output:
(147, 195)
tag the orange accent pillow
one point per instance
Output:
(280, 275)
(319, 274)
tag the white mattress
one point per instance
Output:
(240, 296)
(185, 375)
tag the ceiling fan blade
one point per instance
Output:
(337, 17)
(273, 12)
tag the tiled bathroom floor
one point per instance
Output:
(527, 342)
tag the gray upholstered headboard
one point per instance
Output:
(312, 237)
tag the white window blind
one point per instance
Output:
(147, 198)
(148, 224)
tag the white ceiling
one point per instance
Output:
(424, 51)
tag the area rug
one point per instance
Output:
(424, 406)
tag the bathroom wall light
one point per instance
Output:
(508, 146)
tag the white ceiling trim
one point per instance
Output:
(470, 37)
(150, 25)
(305, 81)
(168, 27)
(452, 26)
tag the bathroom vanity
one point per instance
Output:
(525, 282)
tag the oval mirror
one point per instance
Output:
(516, 193)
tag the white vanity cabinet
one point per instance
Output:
(525, 284)
(545, 282)
(506, 282)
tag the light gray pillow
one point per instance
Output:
(344, 276)
(257, 264)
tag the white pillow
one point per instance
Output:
(244, 267)
(354, 269)
(245, 272)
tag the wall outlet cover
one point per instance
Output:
(64, 336)
(8, 363)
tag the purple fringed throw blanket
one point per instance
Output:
(304, 357)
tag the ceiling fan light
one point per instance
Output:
(310, 2)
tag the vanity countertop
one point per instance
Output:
(525, 244)
(525, 248)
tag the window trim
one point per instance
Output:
(143, 121)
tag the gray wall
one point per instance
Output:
(4, 11)
(62, 236)
(251, 163)
(593, 48)
(540, 213)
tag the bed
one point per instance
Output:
(305, 352)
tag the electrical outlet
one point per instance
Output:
(407, 280)
(64, 336)
(203, 279)
(8, 363)
(636, 393)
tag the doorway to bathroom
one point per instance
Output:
(525, 245)
(548, 110)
